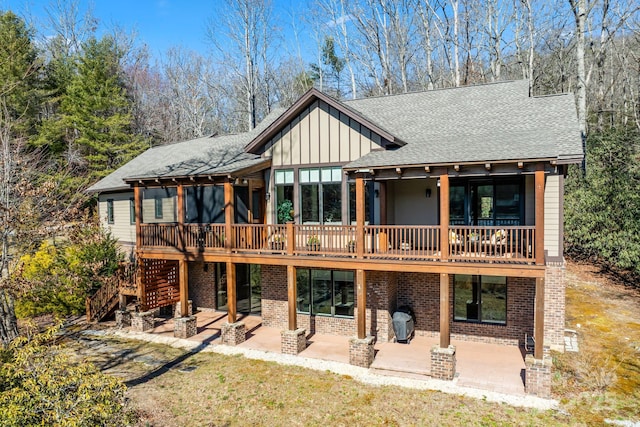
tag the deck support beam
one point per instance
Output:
(539, 239)
(360, 216)
(538, 351)
(444, 217)
(231, 292)
(292, 298)
(361, 290)
(228, 215)
(183, 267)
(445, 336)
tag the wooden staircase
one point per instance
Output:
(106, 299)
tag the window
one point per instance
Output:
(158, 207)
(284, 195)
(132, 210)
(110, 211)
(480, 298)
(486, 202)
(326, 292)
(321, 195)
(204, 204)
(367, 202)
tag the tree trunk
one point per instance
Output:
(8, 322)
(579, 9)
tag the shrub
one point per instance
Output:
(40, 385)
(57, 278)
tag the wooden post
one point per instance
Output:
(180, 211)
(292, 297)
(138, 211)
(361, 286)
(539, 319)
(539, 241)
(183, 266)
(360, 217)
(445, 337)
(291, 238)
(231, 292)
(122, 301)
(228, 216)
(444, 216)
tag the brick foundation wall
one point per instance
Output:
(554, 306)
(202, 285)
(421, 291)
(382, 296)
(274, 296)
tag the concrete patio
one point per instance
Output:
(481, 366)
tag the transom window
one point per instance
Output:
(480, 298)
(326, 292)
(321, 195)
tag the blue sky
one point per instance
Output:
(160, 24)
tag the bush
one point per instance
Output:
(602, 208)
(40, 385)
(58, 277)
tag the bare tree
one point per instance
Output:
(242, 34)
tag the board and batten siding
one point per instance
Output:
(121, 229)
(553, 215)
(321, 134)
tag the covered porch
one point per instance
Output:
(483, 366)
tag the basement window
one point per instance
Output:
(480, 298)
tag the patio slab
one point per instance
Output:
(481, 366)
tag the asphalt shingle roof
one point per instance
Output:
(484, 123)
(478, 123)
(212, 155)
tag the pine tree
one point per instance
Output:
(94, 123)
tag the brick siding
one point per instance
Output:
(202, 285)
(554, 306)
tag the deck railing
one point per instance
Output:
(506, 244)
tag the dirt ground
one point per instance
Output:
(172, 387)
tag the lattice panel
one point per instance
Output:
(160, 283)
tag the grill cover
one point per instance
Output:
(402, 325)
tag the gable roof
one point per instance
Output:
(303, 102)
(492, 122)
(484, 123)
(212, 155)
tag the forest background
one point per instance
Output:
(78, 99)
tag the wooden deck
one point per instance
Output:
(505, 244)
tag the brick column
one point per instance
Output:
(184, 327)
(538, 376)
(361, 351)
(554, 304)
(443, 362)
(123, 319)
(177, 309)
(293, 342)
(233, 333)
(143, 321)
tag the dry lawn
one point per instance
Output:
(171, 387)
(602, 381)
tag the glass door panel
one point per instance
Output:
(482, 207)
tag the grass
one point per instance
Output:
(600, 382)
